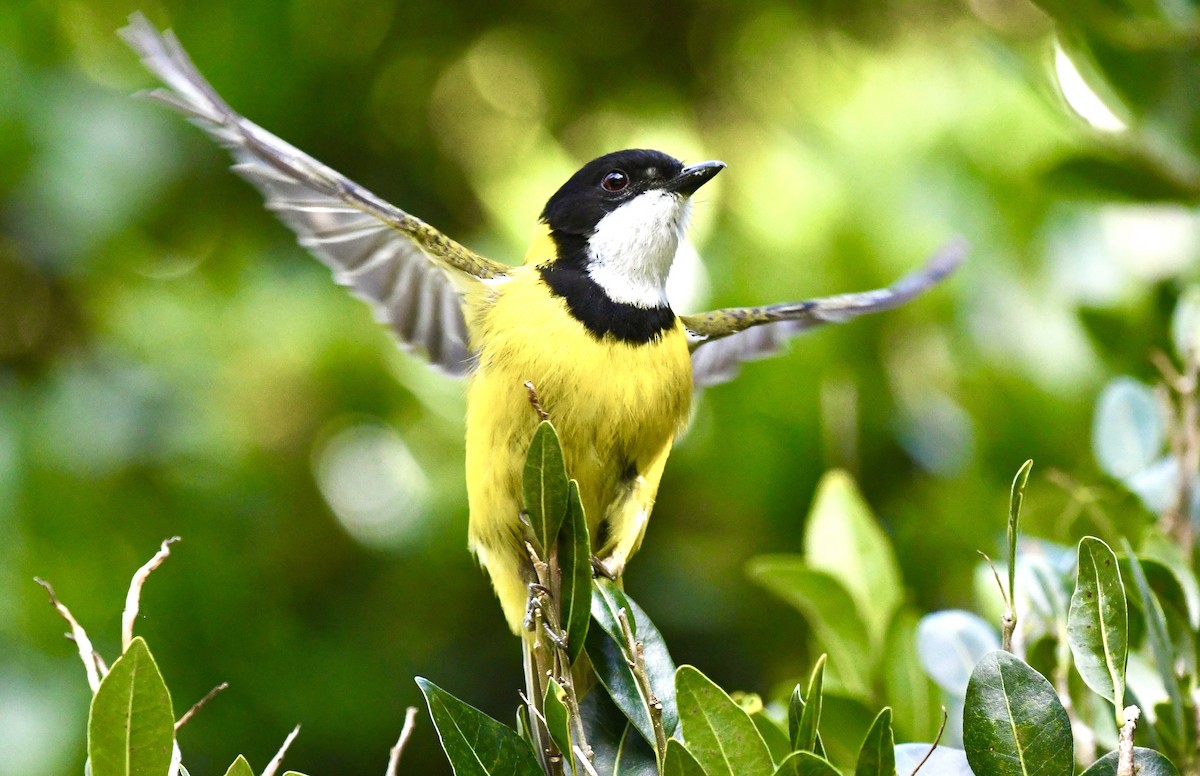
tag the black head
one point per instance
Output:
(604, 184)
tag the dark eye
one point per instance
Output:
(614, 181)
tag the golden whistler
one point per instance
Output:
(585, 318)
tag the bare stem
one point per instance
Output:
(1184, 418)
(637, 663)
(1008, 620)
(133, 597)
(936, 740)
(187, 715)
(410, 722)
(91, 660)
(535, 402)
(1125, 743)
(277, 760)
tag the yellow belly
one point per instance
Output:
(616, 406)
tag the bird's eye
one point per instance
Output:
(615, 181)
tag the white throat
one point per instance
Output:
(631, 251)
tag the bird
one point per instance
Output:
(585, 319)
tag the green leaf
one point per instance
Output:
(878, 754)
(829, 609)
(606, 648)
(1156, 632)
(545, 486)
(679, 761)
(575, 563)
(1013, 723)
(558, 721)
(717, 731)
(242, 768)
(619, 749)
(1156, 545)
(131, 728)
(1146, 762)
(804, 732)
(918, 710)
(806, 764)
(1098, 622)
(476, 744)
(844, 540)
(1015, 499)
(773, 735)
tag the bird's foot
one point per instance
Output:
(533, 606)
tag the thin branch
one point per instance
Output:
(936, 740)
(584, 759)
(91, 662)
(134, 595)
(187, 715)
(277, 760)
(1125, 744)
(534, 402)
(1008, 620)
(637, 663)
(410, 722)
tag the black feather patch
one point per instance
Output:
(601, 315)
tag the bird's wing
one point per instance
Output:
(412, 275)
(722, 339)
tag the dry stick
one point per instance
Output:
(1008, 621)
(277, 760)
(1125, 744)
(637, 663)
(187, 715)
(410, 722)
(534, 402)
(936, 740)
(87, 654)
(543, 658)
(134, 595)
(1185, 441)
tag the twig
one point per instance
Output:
(134, 595)
(410, 722)
(1008, 620)
(534, 402)
(1184, 417)
(1125, 744)
(637, 663)
(277, 760)
(936, 740)
(187, 715)
(585, 760)
(87, 654)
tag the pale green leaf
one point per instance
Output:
(717, 731)
(1097, 624)
(131, 728)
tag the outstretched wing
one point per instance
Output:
(413, 276)
(722, 339)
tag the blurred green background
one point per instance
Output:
(172, 363)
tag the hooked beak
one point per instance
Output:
(693, 177)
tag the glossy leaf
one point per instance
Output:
(545, 485)
(1098, 624)
(679, 761)
(1013, 722)
(619, 748)
(843, 539)
(806, 764)
(131, 728)
(575, 562)
(877, 757)
(241, 768)
(1158, 636)
(830, 610)
(950, 643)
(805, 720)
(606, 648)
(476, 744)
(716, 730)
(558, 721)
(1127, 431)
(1146, 762)
(918, 710)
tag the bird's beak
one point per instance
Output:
(692, 178)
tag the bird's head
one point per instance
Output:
(620, 219)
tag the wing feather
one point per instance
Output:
(412, 276)
(723, 340)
